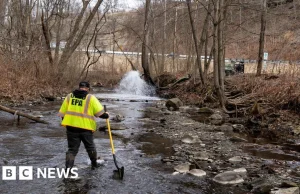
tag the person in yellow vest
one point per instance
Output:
(78, 113)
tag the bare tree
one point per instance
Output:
(198, 54)
(262, 37)
(218, 48)
(145, 63)
(77, 33)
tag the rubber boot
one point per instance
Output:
(69, 160)
(93, 158)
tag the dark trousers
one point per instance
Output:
(75, 136)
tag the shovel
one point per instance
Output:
(120, 171)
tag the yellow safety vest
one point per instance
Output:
(80, 113)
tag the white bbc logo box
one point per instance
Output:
(10, 173)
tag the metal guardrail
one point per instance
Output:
(227, 60)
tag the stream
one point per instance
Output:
(43, 146)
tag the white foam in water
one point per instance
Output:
(132, 83)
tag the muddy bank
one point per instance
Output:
(265, 109)
(216, 146)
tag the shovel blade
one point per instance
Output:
(119, 173)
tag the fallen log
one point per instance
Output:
(16, 112)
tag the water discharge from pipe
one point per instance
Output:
(132, 83)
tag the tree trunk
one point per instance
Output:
(204, 39)
(145, 63)
(22, 114)
(162, 64)
(221, 61)
(262, 38)
(217, 41)
(47, 38)
(198, 58)
(58, 33)
(77, 34)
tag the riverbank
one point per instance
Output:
(268, 106)
(216, 148)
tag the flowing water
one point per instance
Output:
(44, 146)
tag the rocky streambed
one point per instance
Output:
(164, 149)
(208, 144)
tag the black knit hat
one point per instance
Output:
(84, 85)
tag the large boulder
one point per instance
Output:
(174, 104)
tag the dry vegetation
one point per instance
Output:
(32, 79)
(272, 92)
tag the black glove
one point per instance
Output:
(104, 116)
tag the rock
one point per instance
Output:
(238, 128)
(118, 118)
(237, 139)
(197, 172)
(133, 100)
(93, 191)
(152, 109)
(226, 127)
(291, 190)
(228, 177)
(241, 171)
(201, 156)
(182, 168)
(49, 98)
(205, 110)
(296, 130)
(174, 104)
(264, 188)
(175, 173)
(167, 112)
(38, 116)
(184, 109)
(216, 119)
(117, 127)
(189, 139)
(163, 120)
(5, 162)
(287, 184)
(235, 159)
(165, 160)
(236, 120)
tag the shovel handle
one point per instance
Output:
(109, 132)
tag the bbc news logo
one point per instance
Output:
(26, 173)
